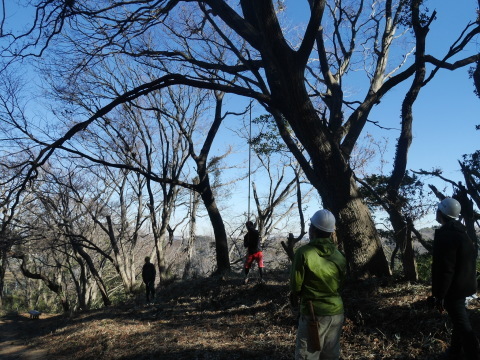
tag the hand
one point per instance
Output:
(294, 305)
(294, 300)
(439, 305)
(431, 302)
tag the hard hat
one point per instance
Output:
(450, 207)
(323, 220)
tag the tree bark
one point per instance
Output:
(194, 202)
(221, 241)
(409, 262)
(3, 269)
(399, 222)
(476, 78)
(333, 178)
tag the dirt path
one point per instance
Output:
(15, 333)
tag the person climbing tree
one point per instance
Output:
(251, 241)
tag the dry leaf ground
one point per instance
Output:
(215, 318)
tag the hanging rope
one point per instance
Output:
(249, 160)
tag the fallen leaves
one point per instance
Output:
(207, 319)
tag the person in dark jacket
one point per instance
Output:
(148, 276)
(251, 241)
(454, 278)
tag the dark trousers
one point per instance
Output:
(463, 336)
(150, 289)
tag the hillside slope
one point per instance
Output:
(224, 319)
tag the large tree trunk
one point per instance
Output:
(358, 236)
(221, 241)
(333, 178)
(328, 166)
(160, 246)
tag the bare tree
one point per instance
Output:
(120, 213)
(400, 223)
(53, 285)
(243, 50)
(47, 250)
(68, 216)
(280, 174)
(204, 186)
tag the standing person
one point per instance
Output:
(318, 271)
(148, 275)
(252, 242)
(454, 278)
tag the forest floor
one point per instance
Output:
(214, 318)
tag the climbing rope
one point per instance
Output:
(249, 160)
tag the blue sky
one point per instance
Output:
(445, 114)
(446, 111)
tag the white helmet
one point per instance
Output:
(323, 220)
(450, 207)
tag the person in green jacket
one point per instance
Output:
(317, 273)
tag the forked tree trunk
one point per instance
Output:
(333, 178)
(327, 167)
(400, 222)
(159, 227)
